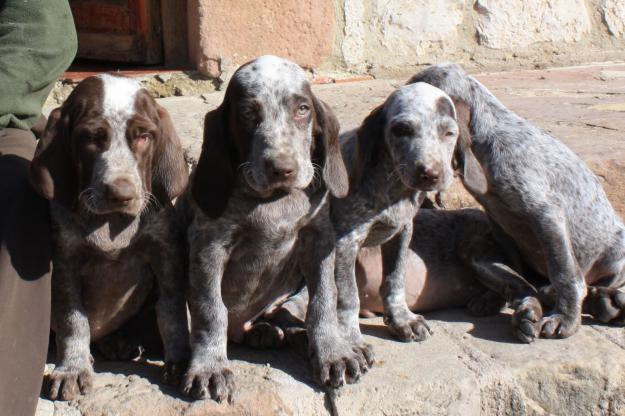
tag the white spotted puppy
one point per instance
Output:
(402, 150)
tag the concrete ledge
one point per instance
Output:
(471, 366)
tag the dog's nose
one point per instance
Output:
(120, 191)
(429, 173)
(281, 168)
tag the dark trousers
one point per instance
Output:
(25, 265)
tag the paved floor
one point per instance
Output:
(471, 365)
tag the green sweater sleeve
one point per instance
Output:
(37, 43)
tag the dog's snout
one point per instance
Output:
(281, 168)
(120, 191)
(430, 174)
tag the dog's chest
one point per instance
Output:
(263, 247)
(113, 289)
(391, 220)
(115, 277)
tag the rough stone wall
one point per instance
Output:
(395, 37)
(226, 33)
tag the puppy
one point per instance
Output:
(403, 149)
(547, 206)
(445, 266)
(110, 163)
(258, 219)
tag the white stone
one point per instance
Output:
(508, 24)
(353, 46)
(614, 16)
(391, 33)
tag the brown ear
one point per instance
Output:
(169, 169)
(326, 135)
(52, 172)
(465, 161)
(368, 137)
(213, 179)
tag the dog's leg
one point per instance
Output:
(495, 260)
(564, 274)
(402, 323)
(333, 359)
(281, 325)
(348, 305)
(208, 374)
(606, 297)
(171, 306)
(73, 374)
(605, 304)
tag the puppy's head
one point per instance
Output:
(417, 125)
(273, 132)
(109, 149)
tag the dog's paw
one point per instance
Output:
(264, 335)
(486, 304)
(117, 348)
(336, 363)
(174, 371)
(67, 383)
(408, 326)
(364, 350)
(526, 319)
(203, 383)
(559, 326)
(606, 305)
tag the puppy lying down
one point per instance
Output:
(441, 270)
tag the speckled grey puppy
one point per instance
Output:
(403, 149)
(110, 162)
(547, 204)
(258, 219)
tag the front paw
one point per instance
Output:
(336, 363)
(215, 382)
(526, 319)
(174, 371)
(487, 304)
(559, 325)
(364, 350)
(67, 383)
(360, 346)
(407, 326)
(264, 335)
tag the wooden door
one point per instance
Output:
(119, 30)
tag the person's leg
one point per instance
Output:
(24, 277)
(37, 43)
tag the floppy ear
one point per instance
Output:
(169, 169)
(368, 137)
(213, 179)
(326, 135)
(465, 161)
(52, 172)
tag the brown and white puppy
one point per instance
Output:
(403, 149)
(110, 162)
(257, 212)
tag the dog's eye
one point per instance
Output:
(303, 110)
(248, 113)
(142, 140)
(450, 134)
(144, 137)
(402, 129)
